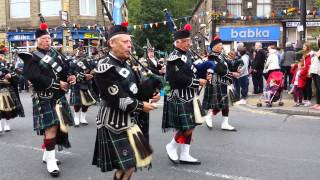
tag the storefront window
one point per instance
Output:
(88, 7)
(234, 7)
(263, 8)
(50, 7)
(20, 8)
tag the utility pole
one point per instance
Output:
(213, 21)
(303, 24)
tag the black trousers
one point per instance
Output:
(316, 80)
(257, 80)
(307, 91)
(287, 76)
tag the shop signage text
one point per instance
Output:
(252, 33)
(296, 24)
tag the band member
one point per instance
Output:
(153, 63)
(10, 105)
(82, 95)
(178, 112)
(119, 142)
(47, 70)
(216, 96)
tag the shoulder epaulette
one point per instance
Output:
(103, 66)
(25, 55)
(174, 56)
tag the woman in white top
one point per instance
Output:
(314, 72)
(272, 63)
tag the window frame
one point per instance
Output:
(88, 5)
(50, 15)
(235, 4)
(20, 17)
(263, 4)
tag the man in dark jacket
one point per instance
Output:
(289, 57)
(257, 68)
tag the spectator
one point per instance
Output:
(307, 91)
(272, 63)
(299, 80)
(315, 74)
(243, 81)
(259, 59)
(286, 62)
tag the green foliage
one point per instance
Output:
(150, 11)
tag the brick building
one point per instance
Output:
(19, 18)
(249, 21)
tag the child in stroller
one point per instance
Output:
(273, 91)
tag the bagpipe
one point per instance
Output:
(150, 83)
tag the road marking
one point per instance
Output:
(256, 111)
(33, 148)
(212, 174)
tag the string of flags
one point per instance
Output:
(219, 16)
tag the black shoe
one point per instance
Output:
(173, 161)
(233, 130)
(55, 173)
(191, 162)
(58, 162)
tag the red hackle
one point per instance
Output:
(125, 24)
(188, 27)
(44, 26)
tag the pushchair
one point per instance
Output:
(273, 91)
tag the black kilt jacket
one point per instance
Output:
(118, 87)
(215, 94)
(46, 88)
(178, 107)
(81, 67)
(14, 80)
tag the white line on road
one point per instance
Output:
(212, 174)
(33, 148)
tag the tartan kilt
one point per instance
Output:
(112, 151)
(44, 114)
(177, 114)
(18, 111)
(75, 99)
(215, 97)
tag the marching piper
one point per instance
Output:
(48, 72)
(82, 95)
(178, 112)
(10, 104)
(120, 144)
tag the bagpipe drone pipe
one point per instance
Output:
(149, 84)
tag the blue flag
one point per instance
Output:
(116, 14)
(170, 24)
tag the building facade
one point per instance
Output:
(249, 21)
(69, 21)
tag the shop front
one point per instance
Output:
(89, 39)
(25, 41)
(293, 35)
(249, 35)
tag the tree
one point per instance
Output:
(149, 11)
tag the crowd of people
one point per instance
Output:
(127, 91)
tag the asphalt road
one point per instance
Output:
(266, 146)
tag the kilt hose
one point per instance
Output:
(112, 151)
(177, 114)
(215, 97)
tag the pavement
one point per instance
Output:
(287, 108)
